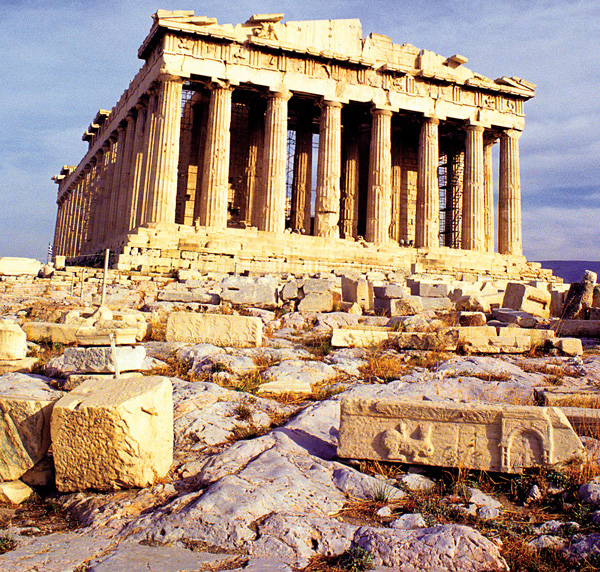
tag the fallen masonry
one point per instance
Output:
(484, 437)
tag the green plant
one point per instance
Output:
(382, 493)
(356, 559)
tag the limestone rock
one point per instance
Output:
(195, 296)
(295, 376)
(15, 492)
(528, 299)
(25, 408)
(518, 317)
(405, 306)
(113, 434)
(485, 437)
(10, 266)
(13, 341)
(579, 297)
(101, 359)
(357, 290)
(449, 547)
(409, 522)
(471, 319)
(218, 329)
(316, 302)
(259, 292)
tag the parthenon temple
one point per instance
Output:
(298, 146)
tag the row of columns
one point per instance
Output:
(132, 178)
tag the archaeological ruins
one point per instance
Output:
(206, 161)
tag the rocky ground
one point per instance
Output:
(256, 484)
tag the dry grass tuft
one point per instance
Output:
(384, 367)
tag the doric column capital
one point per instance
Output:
(475, 127)
(216, 83)
(330, 103)
(282, 93)
(512, 133)
(432, 120)
(165, 75)
(382, 111)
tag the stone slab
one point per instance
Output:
(13, 341)
(25, 364)
(186, 296)
(243, 290)
(528, 299)
(217, 329)
(113, 434)
(359, 290)
(101, 360)
(503, 438)
(72, 334)
(576, 328)
(406, 306)
(15, 492)
(24, 432)
(10, 266)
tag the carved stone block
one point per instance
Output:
(500, 438)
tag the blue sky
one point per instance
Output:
(64, 60)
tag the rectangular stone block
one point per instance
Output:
(504, 438)
(10, 266)
(357, 290)
(101, 360)
(576, 328)
(13, 341)
(186, 296)
(527, 298)
(407, 306)
(430, 289)
(259, 292)
(113, 434)
(359, 337)
(217, 329)
(390, 291)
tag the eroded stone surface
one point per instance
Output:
(218, 329)
(498, 438)
(113, 434)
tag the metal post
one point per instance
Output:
(104, 277)
(114, 355)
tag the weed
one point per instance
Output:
(356, 559)
(382, 493)
(6, 544)
(243, 412)
(384, 366)
(251, 431)
(319, 346)
(326, 391)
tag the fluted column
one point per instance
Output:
(398, 208)
(124, 176)
(302, 179)
(428, 199)
(473, 237)
(87, 206)
(147, 157)
(99, 192)
(90, 204)
(115, 187)
(329, 166)
(488, 192)
(162, 190)
(136, 172)
(272, 211)
(60, 228)
(252, 173)
(509, 199)
(78, 218)
(215, 169)
(379, 197)
(350, 181)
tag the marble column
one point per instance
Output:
(91, 203)
(509, 199)
(162, 190)
(85, 209)
(398, 207)
(136, 172)
(329, 165)
(120, 136)
(379, 197)
(77, 220)
(145, 179)
(488, 191)
(350, 181)
(215, 167)
(123, 201)
(272, 206)
(252, 172)
(472, 236)
(302, 178)
(96, 222)
(428, 199)
(60, 228)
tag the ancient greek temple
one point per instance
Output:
(298, 146)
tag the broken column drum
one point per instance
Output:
(211, 145)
